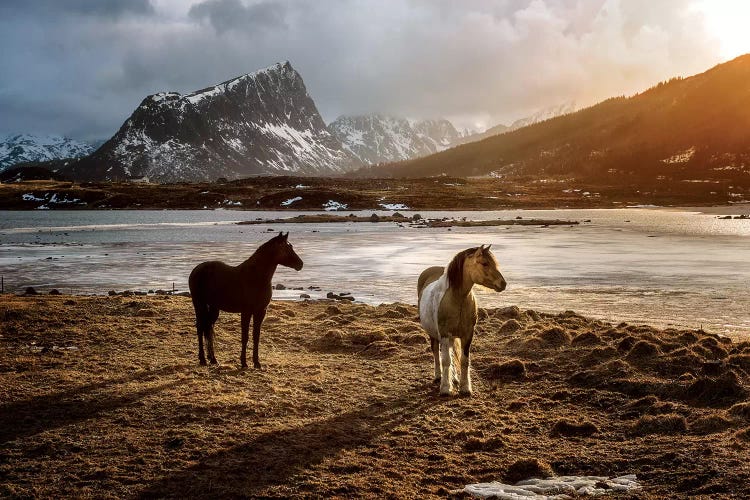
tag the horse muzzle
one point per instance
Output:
(499, 285)
(298, 266)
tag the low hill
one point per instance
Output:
(691, 129)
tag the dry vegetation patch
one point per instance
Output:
(103, 397)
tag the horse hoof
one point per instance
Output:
(257, 366)
(446, 394)
(214, 362)
(436, 380)
(203, 362)
(465, 392)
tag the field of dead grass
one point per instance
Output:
(103, 397)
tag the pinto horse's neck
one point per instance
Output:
(459, 278)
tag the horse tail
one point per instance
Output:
(201, 316)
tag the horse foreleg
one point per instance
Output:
(257, 321)
(245, 322)
(210, 345)
(435, 344)
(446, 378)
(465, 385)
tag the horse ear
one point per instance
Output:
(281, 234)
(479, 251)
(286, 236)
(488, 246)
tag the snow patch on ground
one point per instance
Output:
(394, 206)
(47, 198)
(333, 205)
(683, 157)
(553, 488)
(288, 202)
(30, 197)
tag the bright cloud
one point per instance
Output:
(81, 70)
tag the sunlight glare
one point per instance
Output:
(727, 21)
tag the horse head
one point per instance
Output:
(285, 254)
(484, 270)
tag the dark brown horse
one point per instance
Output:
(245, 289)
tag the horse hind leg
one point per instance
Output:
(200, 325)
(213, 315)
(464, 387)
(435, 345)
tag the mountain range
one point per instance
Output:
(262, 123)
(26, 148)
(374, 139)
(694, 129)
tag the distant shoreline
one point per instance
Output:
(350, 195)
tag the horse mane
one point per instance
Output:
(261, 250)
(456, 268)
(269, 243)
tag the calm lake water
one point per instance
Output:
(655, 266)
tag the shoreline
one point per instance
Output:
(345, 404)
(317, 295)
(415, 221)
(350, 194)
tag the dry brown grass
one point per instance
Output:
(103, 397)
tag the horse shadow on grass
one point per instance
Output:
(272, 458)
(25, 418)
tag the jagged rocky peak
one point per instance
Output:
(260, 123)
(379, 138)
(545, 114)
(24, 148)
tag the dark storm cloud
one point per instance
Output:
(89, 8)
(232, 14)
(81, 67)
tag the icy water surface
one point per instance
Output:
(656, 266)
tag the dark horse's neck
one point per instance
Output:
(261, 265)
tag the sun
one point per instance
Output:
(727, 20)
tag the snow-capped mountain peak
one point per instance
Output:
(379, 138)
(22, 148)
(259, 123)
(545, 114)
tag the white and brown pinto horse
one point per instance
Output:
(448, 311)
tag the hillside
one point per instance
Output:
(692, 129)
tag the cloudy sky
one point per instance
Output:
(79, 67)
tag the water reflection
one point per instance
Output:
(662, 267)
